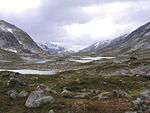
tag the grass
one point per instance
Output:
(74, 81)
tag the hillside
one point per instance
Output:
(17, 42)
(137, 42)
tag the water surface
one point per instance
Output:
(30, 71)
(89, 59)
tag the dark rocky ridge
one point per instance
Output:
(13, 38)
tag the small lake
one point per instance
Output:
(89, 59)
(30, 71)
(42, 61)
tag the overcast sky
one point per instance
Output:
(75, 24)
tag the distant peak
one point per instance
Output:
(3, 21)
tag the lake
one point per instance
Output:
(89, 59)
(30, 71)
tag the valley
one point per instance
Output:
(108, 77)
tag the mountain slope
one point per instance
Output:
(136, 42)
(52, 49)
(9, 56)
(14, 39)
(97, 45)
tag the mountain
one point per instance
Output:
(54, 49)
(97, 45)
(15, 43)
(16, 40)
(137, 41)
(9, 56)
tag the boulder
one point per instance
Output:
(51, 111)
(130, 112)
(94, 91)
(145, 94)
(15, 82)
(120, 93)
(43, 87)
(12, 94)
(23, 94)
(142, 103)
(103, 96)
(82, 95)
(66, 93)
(38, 98)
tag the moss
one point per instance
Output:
(74, 81)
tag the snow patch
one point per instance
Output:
(10, 30)
(11, 50)
(6, 29)
(97, 44)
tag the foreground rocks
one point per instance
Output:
(51, 111)
(14, 81)
(142, 103)
(93, 94)
(38, 98)
(13, 94)
(82, 95)
(120, 93)
(66, 93)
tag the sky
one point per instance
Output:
(75, 24)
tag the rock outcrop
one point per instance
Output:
(38, 98)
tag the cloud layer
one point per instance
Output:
(75, 24)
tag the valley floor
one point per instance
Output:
(91, 89)
(82, 97)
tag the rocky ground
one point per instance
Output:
(73, 92)
(108, 86)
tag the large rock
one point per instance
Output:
(38, 98)
(14, 81)
(82, 95)
(145, 94)
(51, 111)
(120, 93)
(66, 93)
(43, 87)
(13, 94)
(23, 94)
(142, 103)
(103, 96)
(130, 112)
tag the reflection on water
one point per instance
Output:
(89, 59)
(30, 71)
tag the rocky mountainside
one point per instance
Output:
(17, 44)
(97, 45)
(15, 40)
(52, 49)
(136, 42)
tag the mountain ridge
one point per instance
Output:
(137, 41)
(22, 38)
(16, 41)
